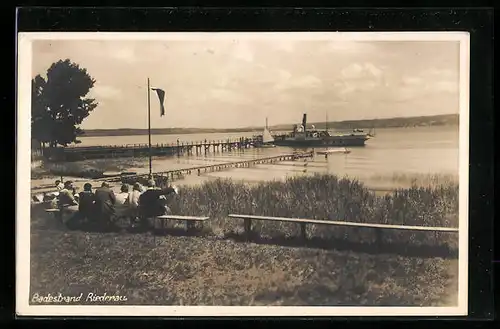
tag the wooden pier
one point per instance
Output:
(76, 153)
(171, 175)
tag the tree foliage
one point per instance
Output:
(59, 105)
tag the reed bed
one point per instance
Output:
(325, 197)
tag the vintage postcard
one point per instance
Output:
(242, 174)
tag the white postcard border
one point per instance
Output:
(23, 181)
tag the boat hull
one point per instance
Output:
(324, 142)
(265, 146)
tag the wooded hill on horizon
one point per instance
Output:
(420, 121)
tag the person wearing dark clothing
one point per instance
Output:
(169, 190)
(105, 203)
(86, 203)
(151, 202)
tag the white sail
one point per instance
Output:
(267, 137)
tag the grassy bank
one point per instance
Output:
(216, 268)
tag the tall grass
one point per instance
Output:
(325, 197)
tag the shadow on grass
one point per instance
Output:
(342, 245)
(93, 228)
(179, 231)
(125, 229)
(313, 242)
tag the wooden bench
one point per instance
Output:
(52, 210)
(57, 213)
(303, 223)
(189, 220)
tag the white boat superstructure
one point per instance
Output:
(342, 150)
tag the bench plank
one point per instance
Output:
(175, 217)
(338, 223)
(52, 210)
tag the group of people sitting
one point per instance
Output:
(103, 206)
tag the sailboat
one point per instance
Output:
(267, 138)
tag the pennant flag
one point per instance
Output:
(161, 97)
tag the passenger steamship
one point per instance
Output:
(302, 136)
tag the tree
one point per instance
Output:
(58, 104)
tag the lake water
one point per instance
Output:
(423, 150)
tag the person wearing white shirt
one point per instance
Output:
(133, 203)
(59, 185)
(133, 197)
(123, 195)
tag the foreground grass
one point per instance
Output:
(203, 271)
(215, 269)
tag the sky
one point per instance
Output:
(231, 82)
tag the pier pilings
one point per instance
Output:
(172, 175)
(76, 153)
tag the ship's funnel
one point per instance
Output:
(304, 120)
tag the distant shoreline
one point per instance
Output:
(422, 121)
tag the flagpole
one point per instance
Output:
(149, 131)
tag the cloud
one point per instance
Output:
(447, 86)
(284, 75)
(226, 95)
(405, 93)
(285, 80)
(106, 92)
(284, 45)
(349, 47)
(361, 70)
(434, 80)
(412, 81)
(442, 73)
(243, 52)
(375, 71)
(359, 79)
(308, 81)
(125, 54)
(352, 71)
